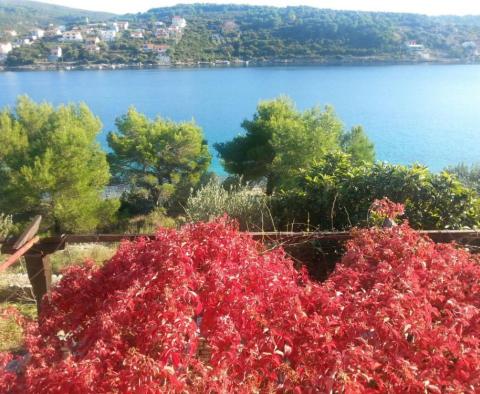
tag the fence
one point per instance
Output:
(317, 250)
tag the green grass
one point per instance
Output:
(77, 254)
(11, 333)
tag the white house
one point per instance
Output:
(11, 33)
(114, 26)
(37, 34)
(178, 21)
(414, 47)
(91, 44)
(163, 59)
(55, 54)
(138, 33)
(122, 25)
(53, 31)
(108, 35)
(5, 48)
(72, 35)
(97, 26)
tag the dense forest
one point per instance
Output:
(271, 33)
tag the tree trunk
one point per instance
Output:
(270, 184)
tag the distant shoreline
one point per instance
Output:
(190, 65)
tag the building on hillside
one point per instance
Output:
(155, 48)
(174, 32)
(108, 35)
(97, 26)
(11, 33)
(88, 31)
(162, 34)
(91, 44)
(138, 33)
(178, 21)
(36, 34)
(159, 24)
(122, 25)
(53, 32)
(113, 26)
(5, 49)
(163, 59)
(72, 35)
(412, 46)
(55, 55)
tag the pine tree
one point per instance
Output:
(51, 164)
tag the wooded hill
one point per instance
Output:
(270, 34)
(259, 32)
(22, 15)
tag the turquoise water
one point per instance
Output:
(418, 113)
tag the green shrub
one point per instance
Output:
(335, 194)
(249, 206)
(468, 175)
(149, 223)
(77, 254)
(6, 225)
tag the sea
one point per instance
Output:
(428, 114)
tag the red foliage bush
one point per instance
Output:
(399, 314)
(387, 209)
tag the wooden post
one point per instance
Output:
(39, 272)
(18, 254)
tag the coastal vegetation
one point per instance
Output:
(249, 206)
(335, 193)
(52, 164)
(468, 175)
(159, 161)
(290, 169)
(6, 225)
(235, 34)
(306, 33)
(202, 306)
(191, 300)
(280, 140)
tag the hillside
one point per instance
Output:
(224, 33)
(24, 14)
(267, 33)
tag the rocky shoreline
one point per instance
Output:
(235, 64)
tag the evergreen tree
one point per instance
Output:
(280, 140)
(357, 144)
(159, 160)
(51, 164)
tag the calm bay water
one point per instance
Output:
(418, 113)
